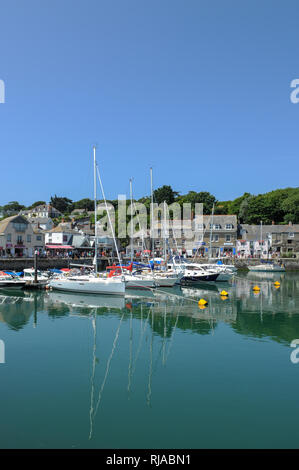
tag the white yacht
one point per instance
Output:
(29, 276)
(90, 285)
(93, 284)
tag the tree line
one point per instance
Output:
(280, 206)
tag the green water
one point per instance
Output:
(152, 371)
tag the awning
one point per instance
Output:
(59, 247)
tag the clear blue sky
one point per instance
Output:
(198, 89)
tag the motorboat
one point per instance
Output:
(134, 279)
(224, 273)
(194, 274)
(9, 281)
(29, 276)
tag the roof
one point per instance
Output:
(253, 232)
(64, 227)
(43, 207)
(5, 222)
(40, 220)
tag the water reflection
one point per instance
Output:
(126, 342)
(246, 311)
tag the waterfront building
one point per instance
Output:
(268, 240)
(43, 210)
(254, 241)
(60, 238)
(18, 238)
(215, 235)
(205, 236)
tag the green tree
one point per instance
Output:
(290, 206)
(204, 197)
(62, 204)
(37, 203)
(86, 204)
(222, 207)
(165, 193)
(12, 208)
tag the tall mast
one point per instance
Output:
(164, 241)
(261, 238)
(131, 196)
(95, 211)
(152, 213)
(211, 232)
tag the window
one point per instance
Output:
(229, 226)
(228, 238)
(19, 227)
(19, 239)
(215, 238)
(200, 226)
(29, 238)
(215, 226)
(8, 237)
(291, 235)
(38, 237)
(65, 238)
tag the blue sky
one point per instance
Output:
(198, 89)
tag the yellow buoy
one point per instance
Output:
(224, 293)
(202, 302)
(256, 288)
(202, 307)
(276, 283)
(223, 297)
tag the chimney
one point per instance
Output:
(62, 220)
(290, 224)
(273, 223)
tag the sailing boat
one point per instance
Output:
(92, 284)
(166, 278)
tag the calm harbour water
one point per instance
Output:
(152, 370)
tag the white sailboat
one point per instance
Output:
(93, 284)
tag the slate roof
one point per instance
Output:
(5, 222)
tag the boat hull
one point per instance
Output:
(12, 284)
(167, 281)
(132, 283)
(266, 269)
(92, 286)
(193, 280)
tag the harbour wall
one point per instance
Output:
(18, 264)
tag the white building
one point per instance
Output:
(18, 238)
(44, 210)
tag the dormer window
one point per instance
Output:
(291, 234)
(229, 226)
(215, 226)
